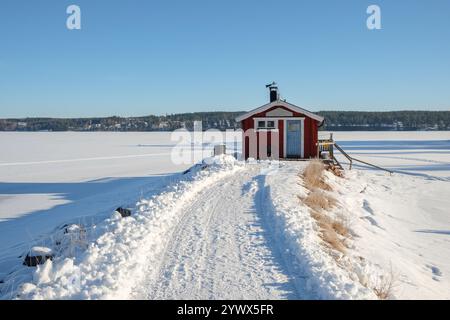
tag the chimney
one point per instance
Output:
(273, 90)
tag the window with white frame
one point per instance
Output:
(265, 124)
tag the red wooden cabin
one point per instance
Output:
(279, 130)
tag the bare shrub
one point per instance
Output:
(385, 286)
(313, 176)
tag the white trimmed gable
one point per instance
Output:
(279, 112)
(281, 104)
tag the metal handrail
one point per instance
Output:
(330, 142)
(345, 154)
(372, 165)
(351, 159)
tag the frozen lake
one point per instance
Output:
(424, 154)
(48, 178)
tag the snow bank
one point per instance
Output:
(320, 275)
(399, 231)
(401, 224)
(121, 249)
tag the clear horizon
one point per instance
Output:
(158, 57)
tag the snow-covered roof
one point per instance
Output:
(282, 104)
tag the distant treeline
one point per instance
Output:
(334, 120)
(217, 120)
(393, 120)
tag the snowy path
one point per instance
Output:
(221, 248)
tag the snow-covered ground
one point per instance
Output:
(233, 230)
(402, 223)
(47, 179)
(221, 248)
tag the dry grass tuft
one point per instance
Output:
(320, 200)
(313, 176)
(331, 230)
(330, 236)
(341, 228)
(323, 221)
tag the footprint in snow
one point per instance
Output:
(249, 188)
(367, 207)
(372, 222)
(436, 272)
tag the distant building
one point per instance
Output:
(163, 125)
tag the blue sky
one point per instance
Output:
(140, 57)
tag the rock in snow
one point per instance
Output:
(124, 212)
(38, 255)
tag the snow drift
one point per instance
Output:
(120, 247)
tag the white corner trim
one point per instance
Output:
(284, 139)
(302, 140)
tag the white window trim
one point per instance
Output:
(256, 120)
(302, 140)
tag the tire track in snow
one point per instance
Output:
(220, 249)
(169, 262)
